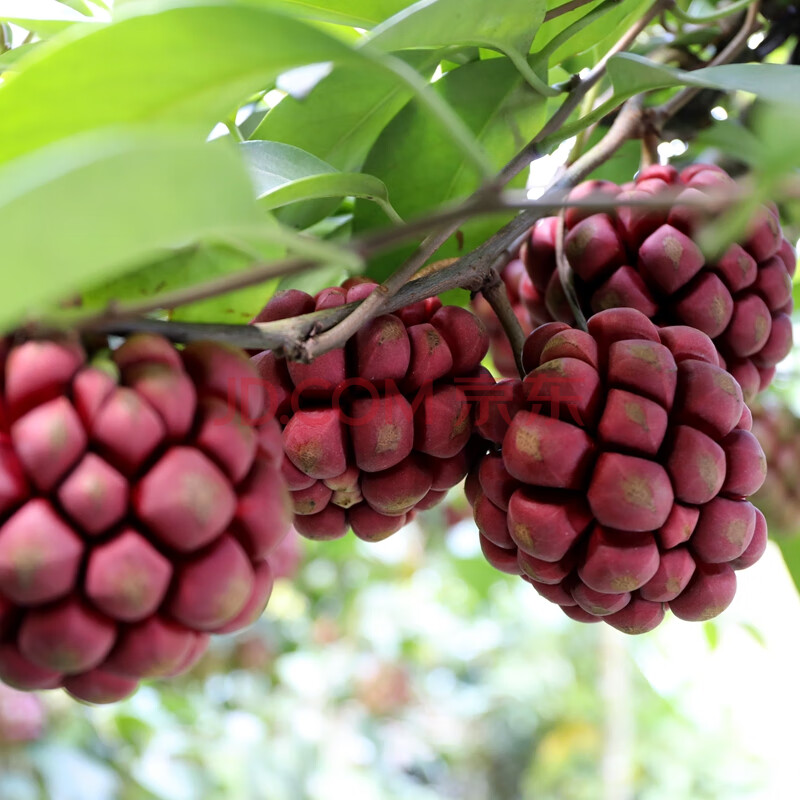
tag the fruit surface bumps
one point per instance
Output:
(140, 504)
(649, 259)
(384, 425)
(617, 488)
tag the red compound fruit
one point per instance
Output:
(778, 430)
(386, 424)
(648, 259)
(139, 506)
(619, 485)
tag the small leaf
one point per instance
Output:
(283, 174)
(754, 633)
(344, 114)
(631, 74)
(12, 56)
(711, 631)
(40, 16)
(733, 138)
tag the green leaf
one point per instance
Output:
(733, 138)
(422, 169)
(507, 26)
(188, 267)
(711, 631)
(181, 63)
(82, 6)
(284, 174)
(184, 63)
(40, 16)
(12, 56)
(359, 13)
(631, 74)
(344, 114)
(790, 549)
(66, 221)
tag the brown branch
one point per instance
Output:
(565, 8)
(494, 290)
(375, 303)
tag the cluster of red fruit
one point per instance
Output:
(382, 427)
(617, 483)
(142, 497)
(139, 503)
(778, 430)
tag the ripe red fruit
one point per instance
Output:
(649, 260)
(135, 513)
(627, 505)
(396, 429)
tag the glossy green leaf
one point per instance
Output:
(422, 169)
(41, 16)
(188, 267)
(583, 28)
(790, 549)
(12, 56)
(440, 23)
(283, 174)
(90, 208)
(344, 114)
(186, 63)
(82, 6)
(731, 137)
(507, 26)
(631, 74)
(360, 13)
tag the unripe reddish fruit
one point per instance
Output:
(136, 512)
(625, 502)
(649, 260)
(396, 429)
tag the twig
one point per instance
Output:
(734, 47)
(374, 303)
(565, 8)
(496, 295)
(566, 277)
(650, 142)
